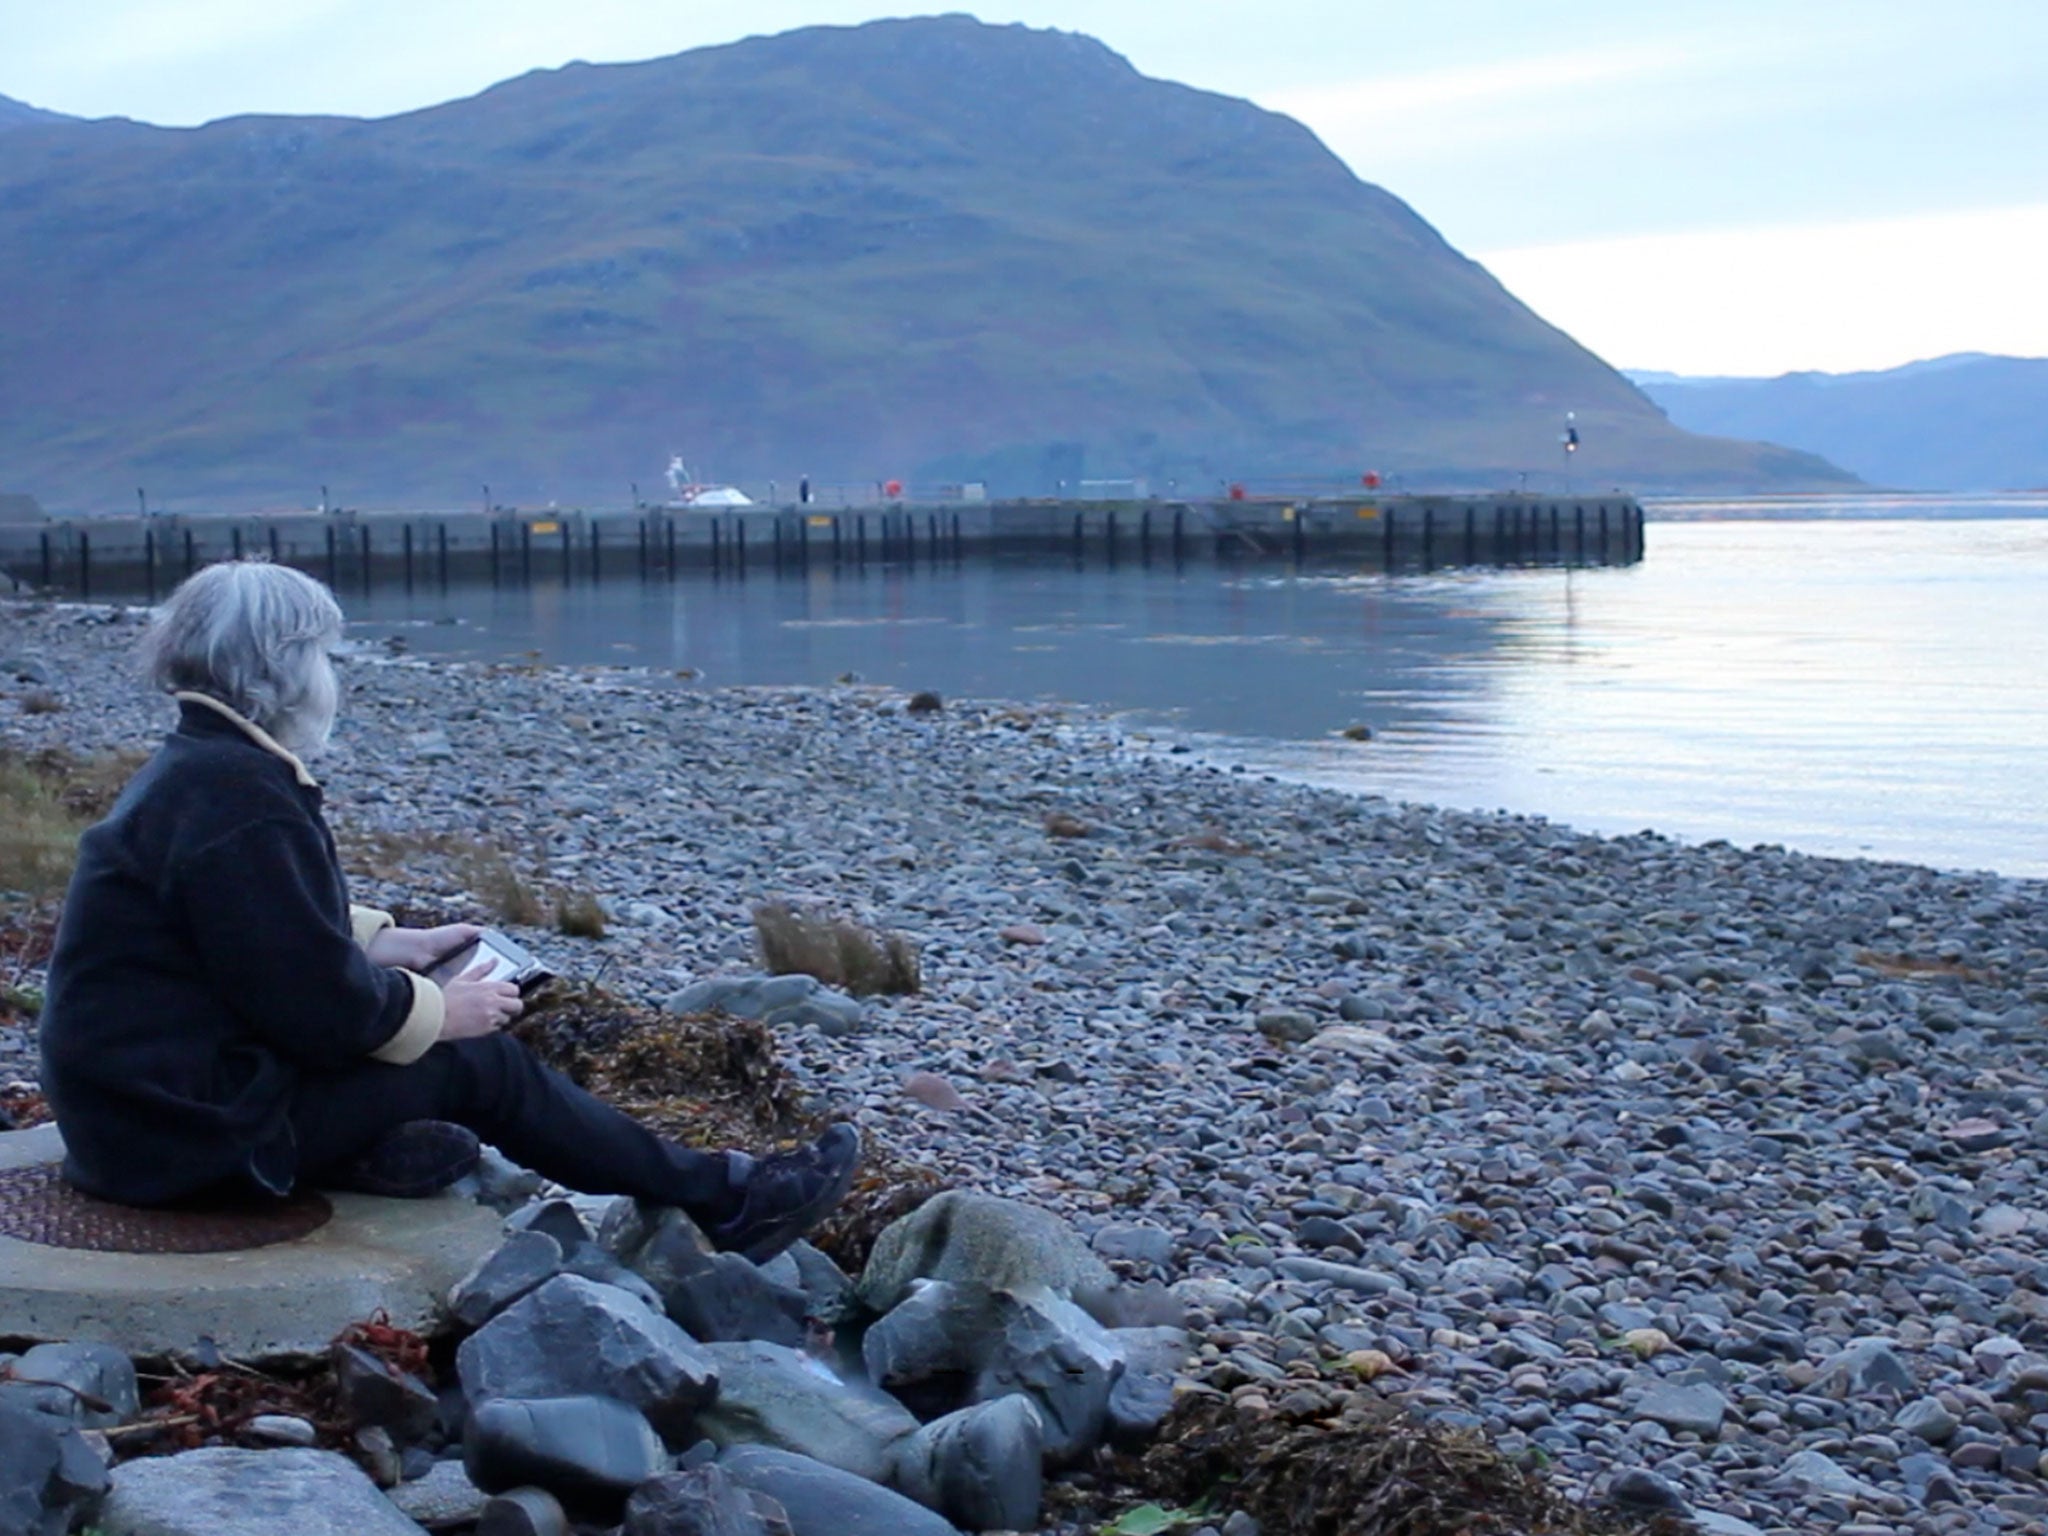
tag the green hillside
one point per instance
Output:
(905, 249)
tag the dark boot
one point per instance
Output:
(781, 1197)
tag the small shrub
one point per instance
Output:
(839, 952)
(924, 702)
(506, 893)
(578, 915)
(41, 702)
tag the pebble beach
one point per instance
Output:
(1711, 1179)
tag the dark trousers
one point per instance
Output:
(535, 1116)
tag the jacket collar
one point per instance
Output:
(253, 731)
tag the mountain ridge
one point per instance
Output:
(1966, 421)
(19, 114)
(908, 248)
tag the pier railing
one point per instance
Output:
(136, 556)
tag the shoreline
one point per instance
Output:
(1636, 1137)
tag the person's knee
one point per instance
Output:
(491, 1066)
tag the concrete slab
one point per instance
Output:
(397, 1256)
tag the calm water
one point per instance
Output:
(1843, 686)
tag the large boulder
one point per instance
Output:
(49, 1477)
(574, 1337)
(981, 1240)
(826, 1501)
(929, 1347)
(224, 1491)
(1052, 1352)
(769, 1395)
(523, 1263)
(718, 1297)
(982, 1468)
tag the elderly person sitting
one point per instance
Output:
(219, 1018)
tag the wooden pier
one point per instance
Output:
(135, 556)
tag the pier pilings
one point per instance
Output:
(356, 551)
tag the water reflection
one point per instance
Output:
(1846, 687)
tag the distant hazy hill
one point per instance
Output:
(1962, 423)
(913, 248)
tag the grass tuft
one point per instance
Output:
(838, 951)
(578, 915)
(39, 828)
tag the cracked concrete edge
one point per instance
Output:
(399, 1257)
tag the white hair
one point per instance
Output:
(257, 637)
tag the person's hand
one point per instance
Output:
(417, 949)
(476, 1007)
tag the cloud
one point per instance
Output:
(125, 37)
(1842, 296)
(1382, 120)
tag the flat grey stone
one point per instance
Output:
(282, 1429)
(290, 1299)
(769, 1395)
(744, 997)
(1820, 1473)
(223, 1491)
(826, 1501)
(1502, 1277)
(1640, 1488)
(1287, 1026)
(1927, 1418)
(832, 1014)
(980, 1239)
(1714, 1523)
(1349, 1277)
(1137, 1243)
(1864, 1368)
(445, 1496)
(1699, 1409)
(581, 1449)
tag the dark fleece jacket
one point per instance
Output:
(205, 962)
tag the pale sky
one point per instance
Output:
(1704, 186)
